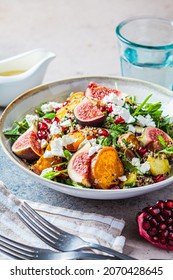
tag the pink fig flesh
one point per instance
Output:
(79, 166)
(155, 224)
(28, 146)
(88, 114)
(98, 92)
(151, 134)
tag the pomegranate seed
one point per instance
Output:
(109, 108)
(159, 178)
(66, 102)
(152, 231)
(42, 134)
(169, 221)
(162, 226)
(141, 151)
(170, 243)
(103, 132)
(114, 187)
(170, 236)
(102, 109)
(154, 210)
(55, 120)
(146, 225)
(170, 227)
(160, 218)
(58, 168)
(155, 239)
(163, 241)
(46, 120)
(163, 234)
(169, 204)
(160, 204)
(167, 212)
(42, 126)
(153, 222)
(119, 120)
(57, 109)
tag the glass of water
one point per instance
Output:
(146, 49)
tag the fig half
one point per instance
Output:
(28, 146)
(151, 134)
(79, 166)
(88, 114)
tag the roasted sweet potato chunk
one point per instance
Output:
(106, 167)
(43, 163)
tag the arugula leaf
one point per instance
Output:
(18, 129)
(49, 116)
(67, 154)
(138, 109)
(52, 174)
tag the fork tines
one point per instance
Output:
(15, 249)
(41, 227)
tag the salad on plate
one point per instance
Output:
(100, 138)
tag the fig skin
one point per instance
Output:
(151, 134)
(88, 114)
(28, 146)
(79, 166)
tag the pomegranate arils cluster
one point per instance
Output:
(156, 224)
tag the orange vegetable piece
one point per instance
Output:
(106, 167)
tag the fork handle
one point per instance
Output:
(118, 255)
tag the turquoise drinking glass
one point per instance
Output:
(146, 49)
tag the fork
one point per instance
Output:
(58, 238)
(21, 251)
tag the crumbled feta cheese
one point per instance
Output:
(94, 147)
(30, 119)
(46, 170)
(145, 121)
(144, 167)
(122, 112)
(43, 143)
(66, 123)
(56, 146)
(66, 140)
(125, 114)
(48, 107)
(54, 129)
(122, 178)
(113, 98)
(131, 128)
(136, 161)
(48, 154)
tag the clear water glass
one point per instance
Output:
(146, 49)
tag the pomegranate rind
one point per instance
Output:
(88, 114)
(98, 92)
(151, 134)
(28, 146)
(143, 233)
(79, 166)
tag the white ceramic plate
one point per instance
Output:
(58, 91)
